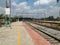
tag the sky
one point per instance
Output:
(32, 8)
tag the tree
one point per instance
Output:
(48, 18)
(58, 18)
(1, 16)
(51, 18)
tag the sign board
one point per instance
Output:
(7, 11)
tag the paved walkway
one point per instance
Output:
(18, 35)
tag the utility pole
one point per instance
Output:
(59, 10)
(8, 11)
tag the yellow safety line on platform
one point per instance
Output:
(18, 36)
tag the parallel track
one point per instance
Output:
(53, 40)
(38, 23)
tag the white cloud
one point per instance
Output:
(54, 11)
(44, 1)
(23, 7)
(2, 10)
(14, 4)
(38, 2)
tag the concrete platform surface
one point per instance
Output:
(20, 34)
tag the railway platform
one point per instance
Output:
(20, 34)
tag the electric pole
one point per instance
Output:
(8, 11)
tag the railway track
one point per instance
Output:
(53, 39)
(49, 24)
